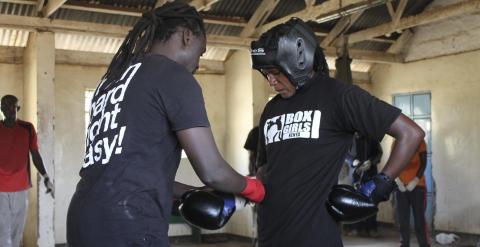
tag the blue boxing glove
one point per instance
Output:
(379, 188)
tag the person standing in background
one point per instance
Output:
(411, 194)
(17, 139)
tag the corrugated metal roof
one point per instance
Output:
(379, 15)
(243, 9)
(233, 8)
(12, 37)
(216, 29)
(285, 8)
(85, 16)
(18, 9)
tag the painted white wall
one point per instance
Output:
(454, 83)
(450, 36)
(70, 85)
(239, 122)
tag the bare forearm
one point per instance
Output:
(38, 162)
(407, 136)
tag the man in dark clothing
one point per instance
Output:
(146, 109)
(305, 132)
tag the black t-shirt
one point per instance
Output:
(305, 139)
(131, 146)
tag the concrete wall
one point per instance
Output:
(70, 85)
(12, 82)
(239, 122)
(450, 36)
(454, 83)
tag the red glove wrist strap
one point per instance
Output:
(254, 191)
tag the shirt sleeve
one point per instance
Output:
(33, 138)
(183, 103)
(367, 114)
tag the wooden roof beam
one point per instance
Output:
(399, 46)
(262, 13)
(40, 4)
(340, 28)
(328, 8)
(105, 9)
(204, 5)
(390, 9)
(230, 42)
(14, 55)
(51, 7)
(399, 12)
(426, 17)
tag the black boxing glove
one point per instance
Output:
(347, 205)
(209, 210)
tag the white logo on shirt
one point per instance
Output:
(301, 124)
(103, 118)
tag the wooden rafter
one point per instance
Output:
(399, 12)
(340, 28)
(399, 46)
(203, 4)
(331, 7)
(259, 17)
(441, 13)
(51, 7)
(390, 9)
(309, 3)
(36, 23)
(40, 4)
(105, 30)
(14, 55)
(105, 9)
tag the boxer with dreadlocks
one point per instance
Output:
(315, 117)
(146, 109)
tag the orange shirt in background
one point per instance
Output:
(410, 172)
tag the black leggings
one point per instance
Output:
(414, 200)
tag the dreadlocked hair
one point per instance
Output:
(319, 62)
(157, 25)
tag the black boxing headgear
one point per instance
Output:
(289, 47)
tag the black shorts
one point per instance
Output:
(124, 220)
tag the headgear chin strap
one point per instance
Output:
(289, 47)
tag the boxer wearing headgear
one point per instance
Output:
(293, 49)
(305, 132)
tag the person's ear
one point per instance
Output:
(187, 36)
